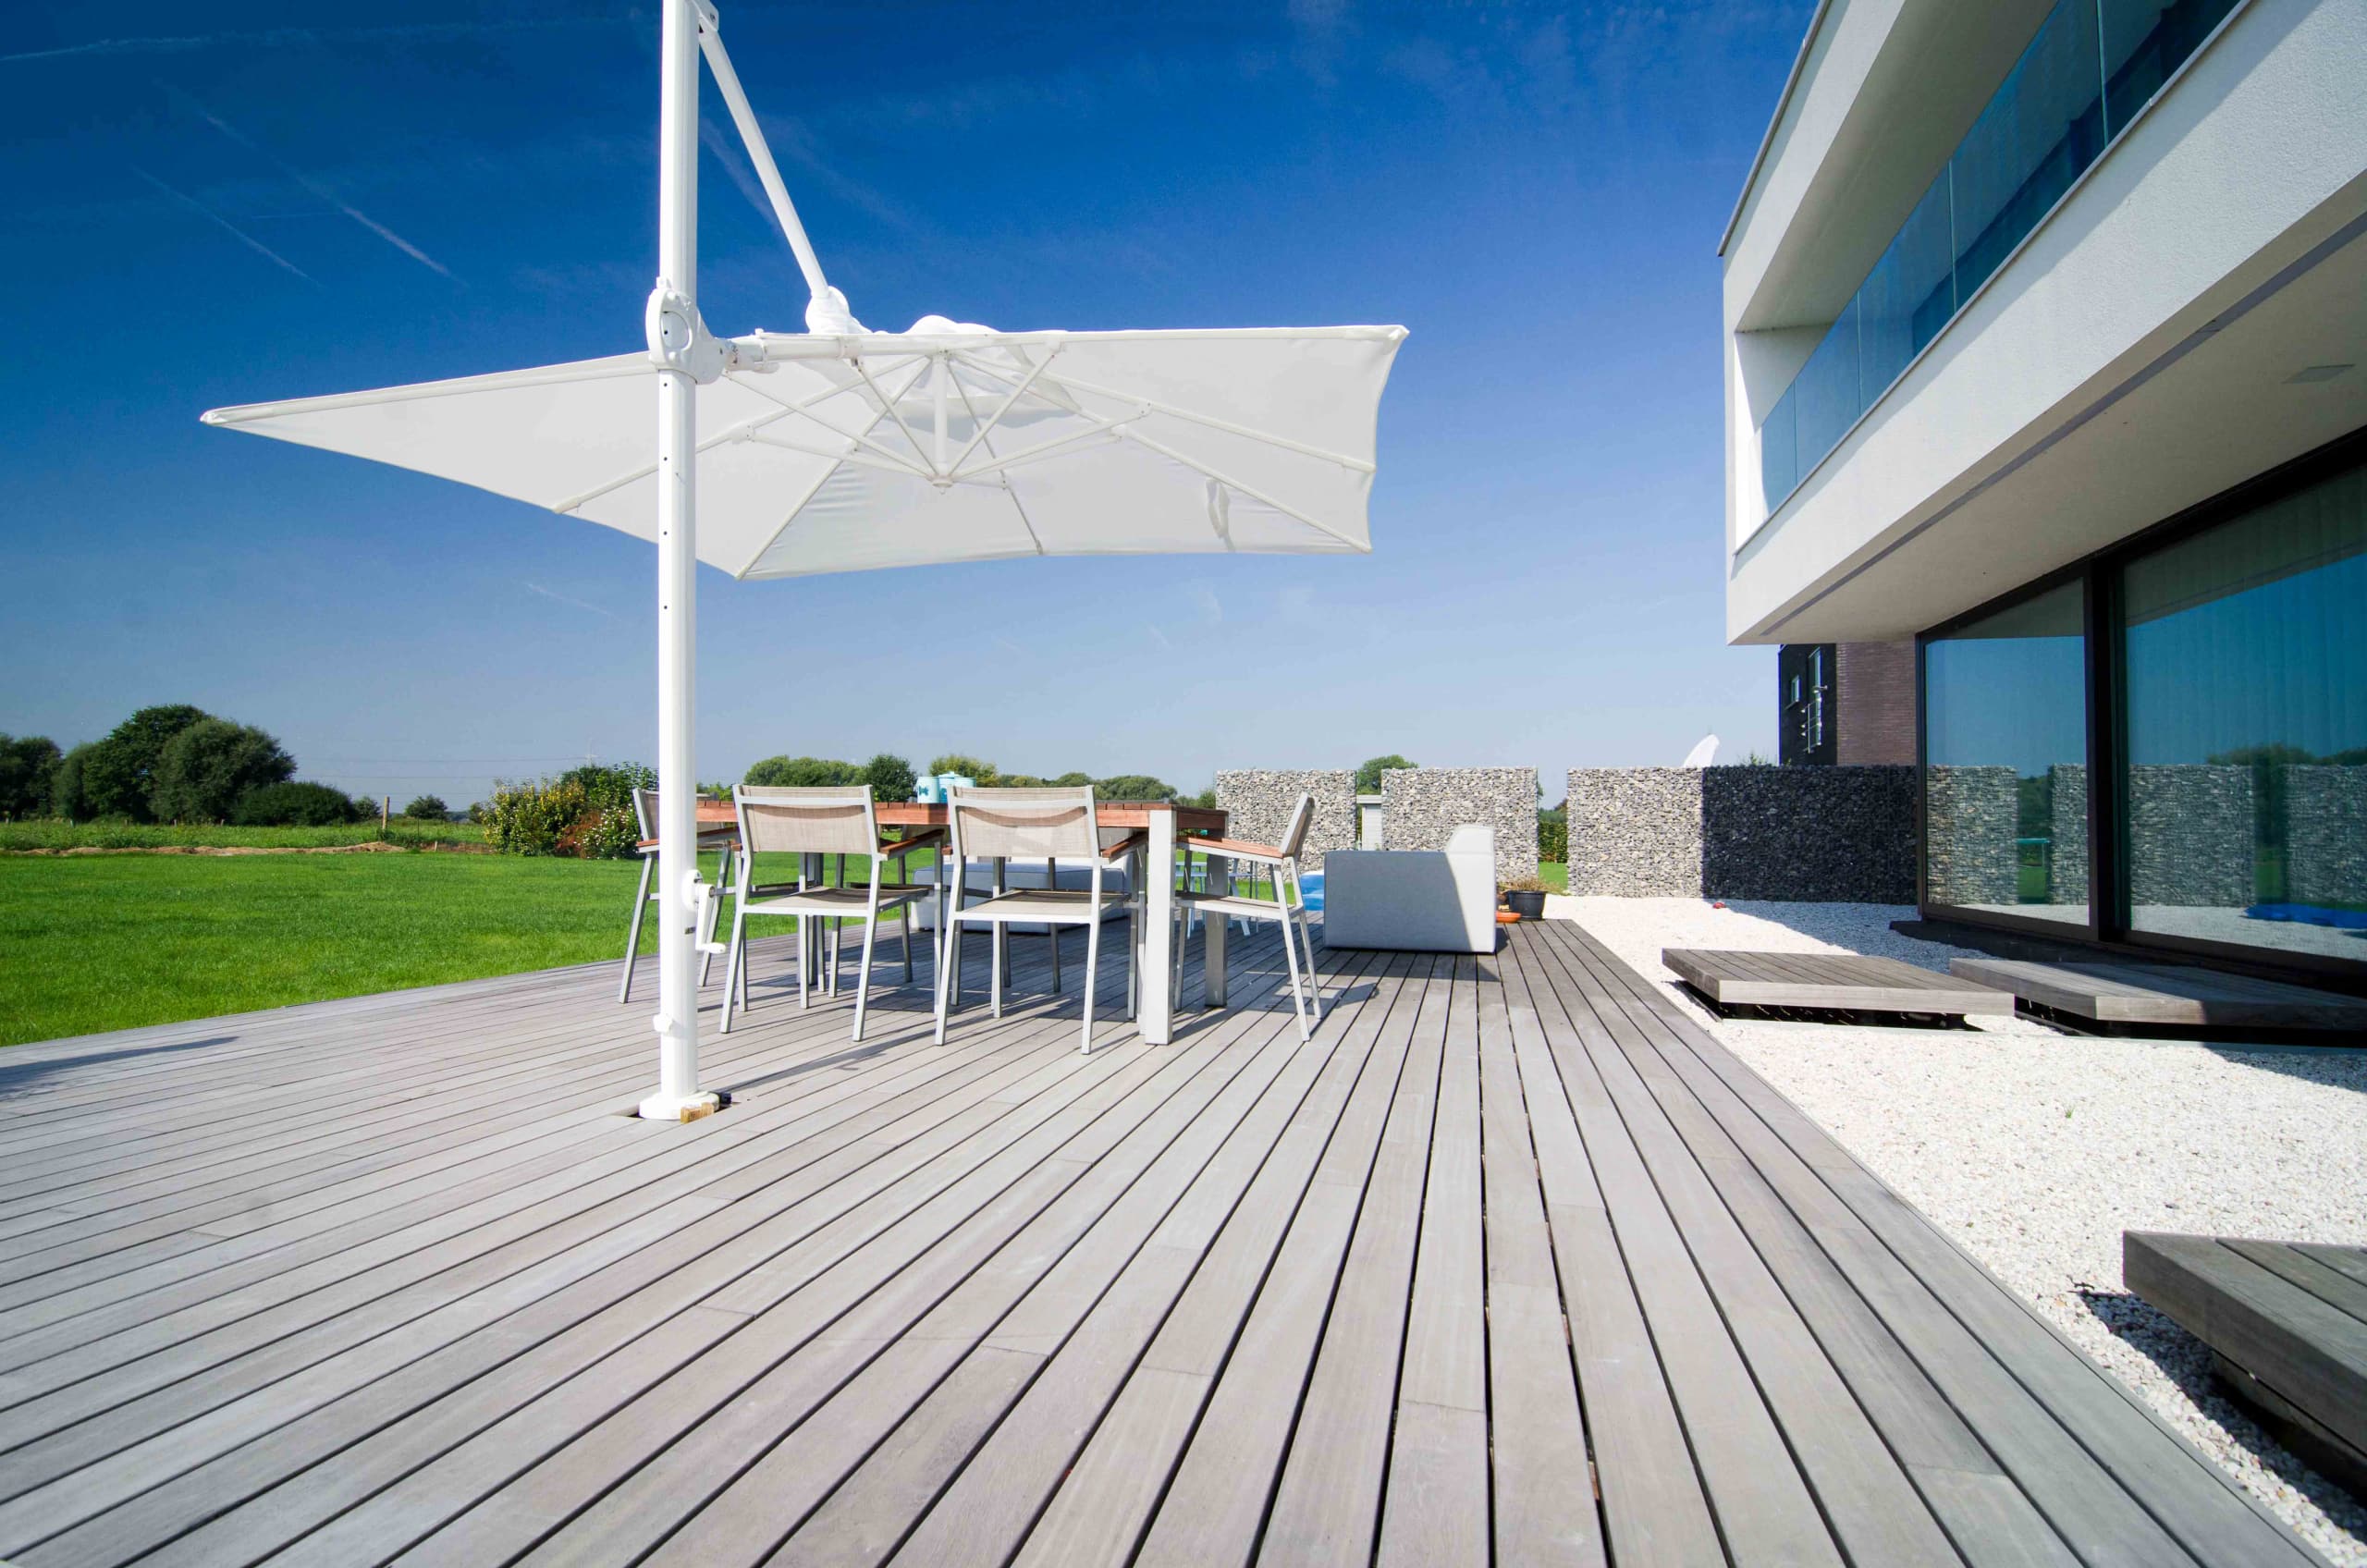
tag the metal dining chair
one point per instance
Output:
(723, 839)
(1279, 863)
(1050, 824)
(813, 823)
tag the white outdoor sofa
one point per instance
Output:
(1414, 901)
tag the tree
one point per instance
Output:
(1071, 780)
(1133, 786)
(27, 769)
(119, 770)
(890, 777)
(976, 769)
(67, 797)
(296, 804)
(203, 770)
(1206, 800)
(430, 808)
(1369, 776)
(805, 773)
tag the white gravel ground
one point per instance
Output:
(2036, 1148)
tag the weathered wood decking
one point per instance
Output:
(2178, 996)
(1830, 981)
(1512, 1261)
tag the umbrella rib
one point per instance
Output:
(995, 418)
(904, 464)
(1171, 455)
(894, 412)
(744, 428)
(789, 518)
(1016, 504)
(901, 471)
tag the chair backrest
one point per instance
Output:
(1302, 814)
(837, 820)
(645, 806)
(1046, 822)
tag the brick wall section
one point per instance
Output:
(1875, 693)
(1259, 803)
(1811, 834)
(2190, 835)
(1421, 806)
(2326, 835)
(1972, 817)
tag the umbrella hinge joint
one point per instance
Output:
(678, 338)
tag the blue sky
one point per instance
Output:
(261, 201)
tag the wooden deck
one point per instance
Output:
(1511, 1263)
(1830, 981)
(2286, 1324)
(2177, 996)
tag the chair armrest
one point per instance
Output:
(1127, 845)
(1236, 849)
(920, 838)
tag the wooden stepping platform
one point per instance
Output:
(2175, 994)
(1836, 981)
(2286, 1324)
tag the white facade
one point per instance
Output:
(2190, 312)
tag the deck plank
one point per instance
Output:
(1511, 1262)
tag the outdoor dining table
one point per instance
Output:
(1166, 827)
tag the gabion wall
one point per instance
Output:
(1259, 803)
(1636, 832)
(2067, 825)
(1421, 806)
(1810, 834)
(2326, 835)
(1971, 818)
(2190, 835)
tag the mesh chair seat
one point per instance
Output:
(1049, 905)
(787, 898)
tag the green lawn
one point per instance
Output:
(51, 834)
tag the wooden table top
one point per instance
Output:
(1191, 822)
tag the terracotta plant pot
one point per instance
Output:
(1508, 917)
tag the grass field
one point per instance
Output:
(102, 942)
(55, 834)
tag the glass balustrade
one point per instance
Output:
(2093, 64)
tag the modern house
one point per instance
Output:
(1847, 703)
(2046, 348)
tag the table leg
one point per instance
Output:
(1153, 1014)
(996, 981)
(1214, 930)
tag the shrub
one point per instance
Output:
(120, 771)
(890, 777)
(585, 812)
(1369, 776)
(297, 804)
(205, 769)
(974, 768)
(430, 808)
(804, 773)
(1553, 836)
(1133, 786)
(1524, 884)
(27, 769)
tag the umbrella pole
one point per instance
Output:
(678, 1097)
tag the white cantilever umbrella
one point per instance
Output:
(842, 449)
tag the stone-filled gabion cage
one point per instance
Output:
(1420, 807)
(1259, 804)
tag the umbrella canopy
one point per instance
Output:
(842, 449)
(946, 443)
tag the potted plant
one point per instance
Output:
(1524, 896)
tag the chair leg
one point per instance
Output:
(1175, 971)
(1092, 968)
(905, 911)
(945, 972)
(1290, 956)
(1314, 986)
(863, 975)
(632, 932)
(735, 977)
(1134, 963)
(705, 938)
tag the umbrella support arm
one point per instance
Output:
(674, 334)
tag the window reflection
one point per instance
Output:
(2246, 703)
(2006, 785)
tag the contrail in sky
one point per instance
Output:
(315, 186)
(562, 599)
(243, 236)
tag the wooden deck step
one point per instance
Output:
(2175, 995)
(1843, 981)
(2287, 1325)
